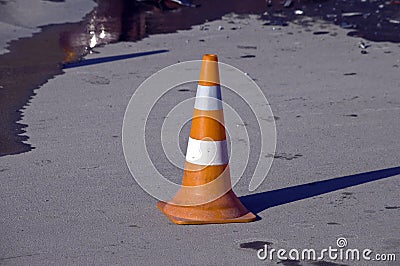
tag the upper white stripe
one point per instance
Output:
(207, 152)
(208, 98)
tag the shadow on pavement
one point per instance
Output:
(107, 59)
(264, 200)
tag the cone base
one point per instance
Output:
(248, 217)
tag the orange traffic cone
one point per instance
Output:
(206, 194)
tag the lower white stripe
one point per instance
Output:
(208, 98)
(207, 152)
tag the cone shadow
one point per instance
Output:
(259, 202)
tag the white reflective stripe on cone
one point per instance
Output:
(208, 98)
(203, 152)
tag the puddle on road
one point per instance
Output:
(32, 61)
(255, 245)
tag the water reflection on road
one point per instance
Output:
(34, 60)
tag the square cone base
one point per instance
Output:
(248, 217)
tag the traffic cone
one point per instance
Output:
(206, 194)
